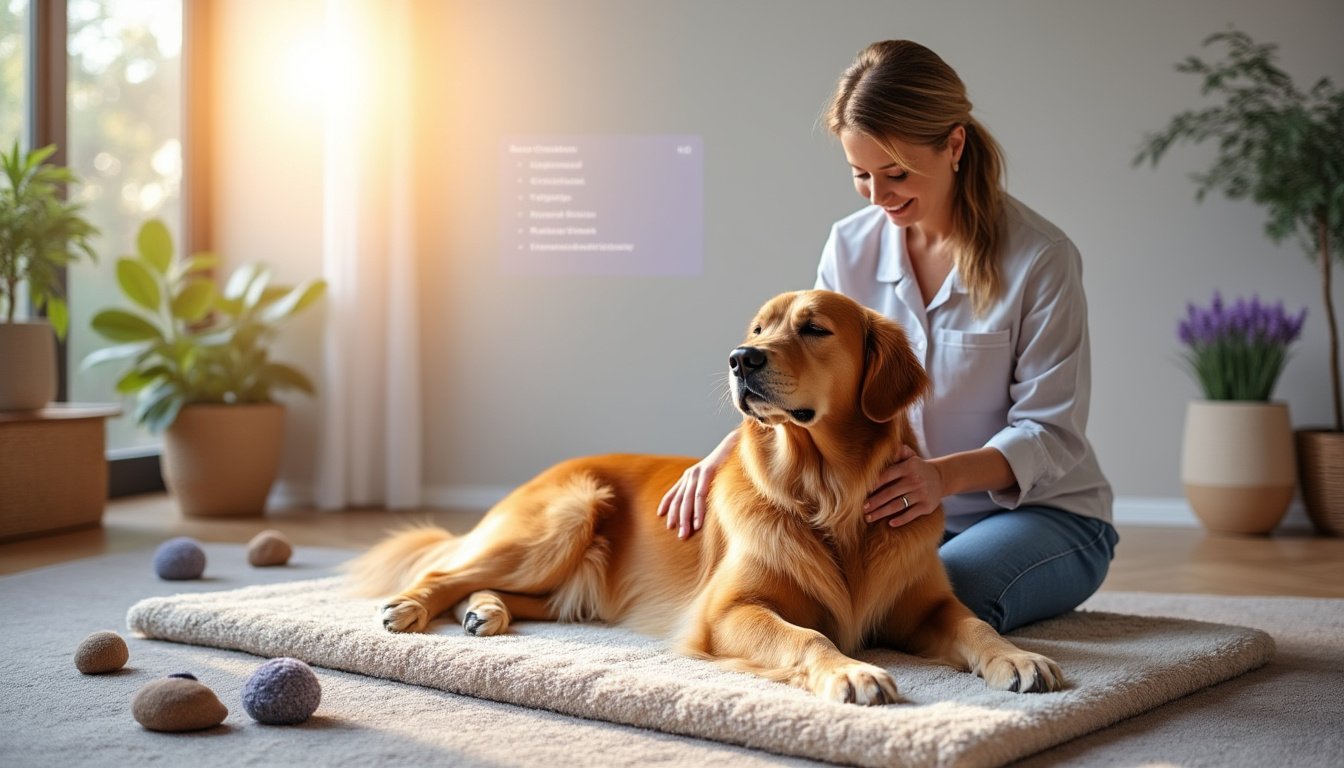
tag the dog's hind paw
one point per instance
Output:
(403, 615)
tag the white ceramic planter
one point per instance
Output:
(1238, 464)
(27, 365)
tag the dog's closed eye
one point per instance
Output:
(812, 329)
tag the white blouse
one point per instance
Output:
(1017, 379)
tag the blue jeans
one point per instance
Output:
(1027, 564)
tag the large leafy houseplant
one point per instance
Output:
(41, 233)
(188, 342)
(1283, 148)
(1280, 146)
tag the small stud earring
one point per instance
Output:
(956, 167)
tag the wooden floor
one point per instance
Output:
(1148, 559)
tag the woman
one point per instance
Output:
(991, 296)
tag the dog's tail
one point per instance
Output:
(392, 563)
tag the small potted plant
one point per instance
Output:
(1283, 148)
(1237, 459)
(198, 361)
(40, 234)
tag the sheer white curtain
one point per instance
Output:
(370, 444)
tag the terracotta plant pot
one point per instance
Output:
(1237, 464)
(221, 460)
(27, 365)
(1321, 470)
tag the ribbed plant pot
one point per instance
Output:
(1237, 464)
(1321, 470)
(27, 365)
(221, 460)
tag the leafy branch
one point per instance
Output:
(40, 234)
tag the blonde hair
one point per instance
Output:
(898, 89)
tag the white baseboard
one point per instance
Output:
(466, 497)
(459, 497)
(284, 495)
(1163, 512)
(1156, 511)
(1147, 511)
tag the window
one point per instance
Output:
(123, 139)
(103, 80)
(14, 75)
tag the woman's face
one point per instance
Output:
(908, 198)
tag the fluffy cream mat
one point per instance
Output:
(1117, 665)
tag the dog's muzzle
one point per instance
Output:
(744, 363)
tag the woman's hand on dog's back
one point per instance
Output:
(684, 503)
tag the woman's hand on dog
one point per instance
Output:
(684, 503)
(906, 490)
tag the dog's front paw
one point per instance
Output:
(857, 683)
(403, 614)
(1022, 672)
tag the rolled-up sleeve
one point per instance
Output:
(1051, 385)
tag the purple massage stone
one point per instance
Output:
(282, 691)
(179, 559)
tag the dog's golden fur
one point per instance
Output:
(785, 580)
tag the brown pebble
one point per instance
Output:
(101, 652)
(269, 547)
(176, 704)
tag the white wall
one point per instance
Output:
(266, 180)
(521, 372)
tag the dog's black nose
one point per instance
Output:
(744, 360)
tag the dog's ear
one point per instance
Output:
(892, 376)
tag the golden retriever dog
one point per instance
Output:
(785, 580)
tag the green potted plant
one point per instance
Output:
(1283, 148)
(198, 360)
(40, 234)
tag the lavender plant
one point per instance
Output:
(1238, 352)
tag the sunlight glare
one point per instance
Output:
(167, 160)
(321, 63)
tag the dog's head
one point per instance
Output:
(814, 356)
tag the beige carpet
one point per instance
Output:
(1118, 666)
(1286, 713)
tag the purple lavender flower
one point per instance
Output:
(1237, 351)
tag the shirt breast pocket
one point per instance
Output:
(971, 370)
